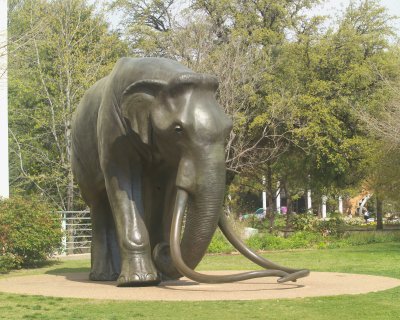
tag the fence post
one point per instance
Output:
(76, 229)
(64, 230)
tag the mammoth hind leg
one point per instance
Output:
(105, 259)
(292, 274)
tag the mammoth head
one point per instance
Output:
(144, 97)
(182, 119)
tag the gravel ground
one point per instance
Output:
(77, 285)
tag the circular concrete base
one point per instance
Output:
(77, 285)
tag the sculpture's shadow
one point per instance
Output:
(78, 275)
(81, 275)
(187, 285)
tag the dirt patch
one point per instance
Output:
(77, 285)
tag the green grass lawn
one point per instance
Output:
(377, 259)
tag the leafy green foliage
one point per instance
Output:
(309, 232)
(295, 241)
(369, 237)
(294, 89)
(334, 226)
(7, 262)
(29, 232)
(219, 244)
(307, 240)
(303, 222)
(58, 49)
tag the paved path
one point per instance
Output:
(76, 285)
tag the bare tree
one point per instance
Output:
(385, 124)
(66, 47)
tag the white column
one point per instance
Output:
(340, 204)
(264, 197)
(309, 203)
(4, 173)
(324, 198)
(278, 198)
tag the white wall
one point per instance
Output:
(4, 174)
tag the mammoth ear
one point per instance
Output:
(136, 102)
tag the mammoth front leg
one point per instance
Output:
(124, 192)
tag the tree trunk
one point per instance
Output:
(70, 191)
(271, 200)
(379, 220)
(68, 151)
(288, 208)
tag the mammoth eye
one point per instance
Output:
(178, 128)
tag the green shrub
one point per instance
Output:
(219, 244)
(304, 240)
(314, 234)
(333, 227)
(354, 221)
(272, 242)
(29, 232)
(280, 221)
(297, 240)
(258, 242)
(8, 262)
(253, 221)
(303, 222)
(366, 237)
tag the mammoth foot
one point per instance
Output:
(138, 280)
(101, 276)
(138, 271)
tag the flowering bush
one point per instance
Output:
(354, 221)
(334, 226)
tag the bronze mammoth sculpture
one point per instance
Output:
(148, 143)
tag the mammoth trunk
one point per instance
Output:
(203, 211)
(203, 216)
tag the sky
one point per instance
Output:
(393, 6)
(331, 7)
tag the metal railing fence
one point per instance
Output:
(77, 231)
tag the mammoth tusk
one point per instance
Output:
(226, 229)
(179, 210)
